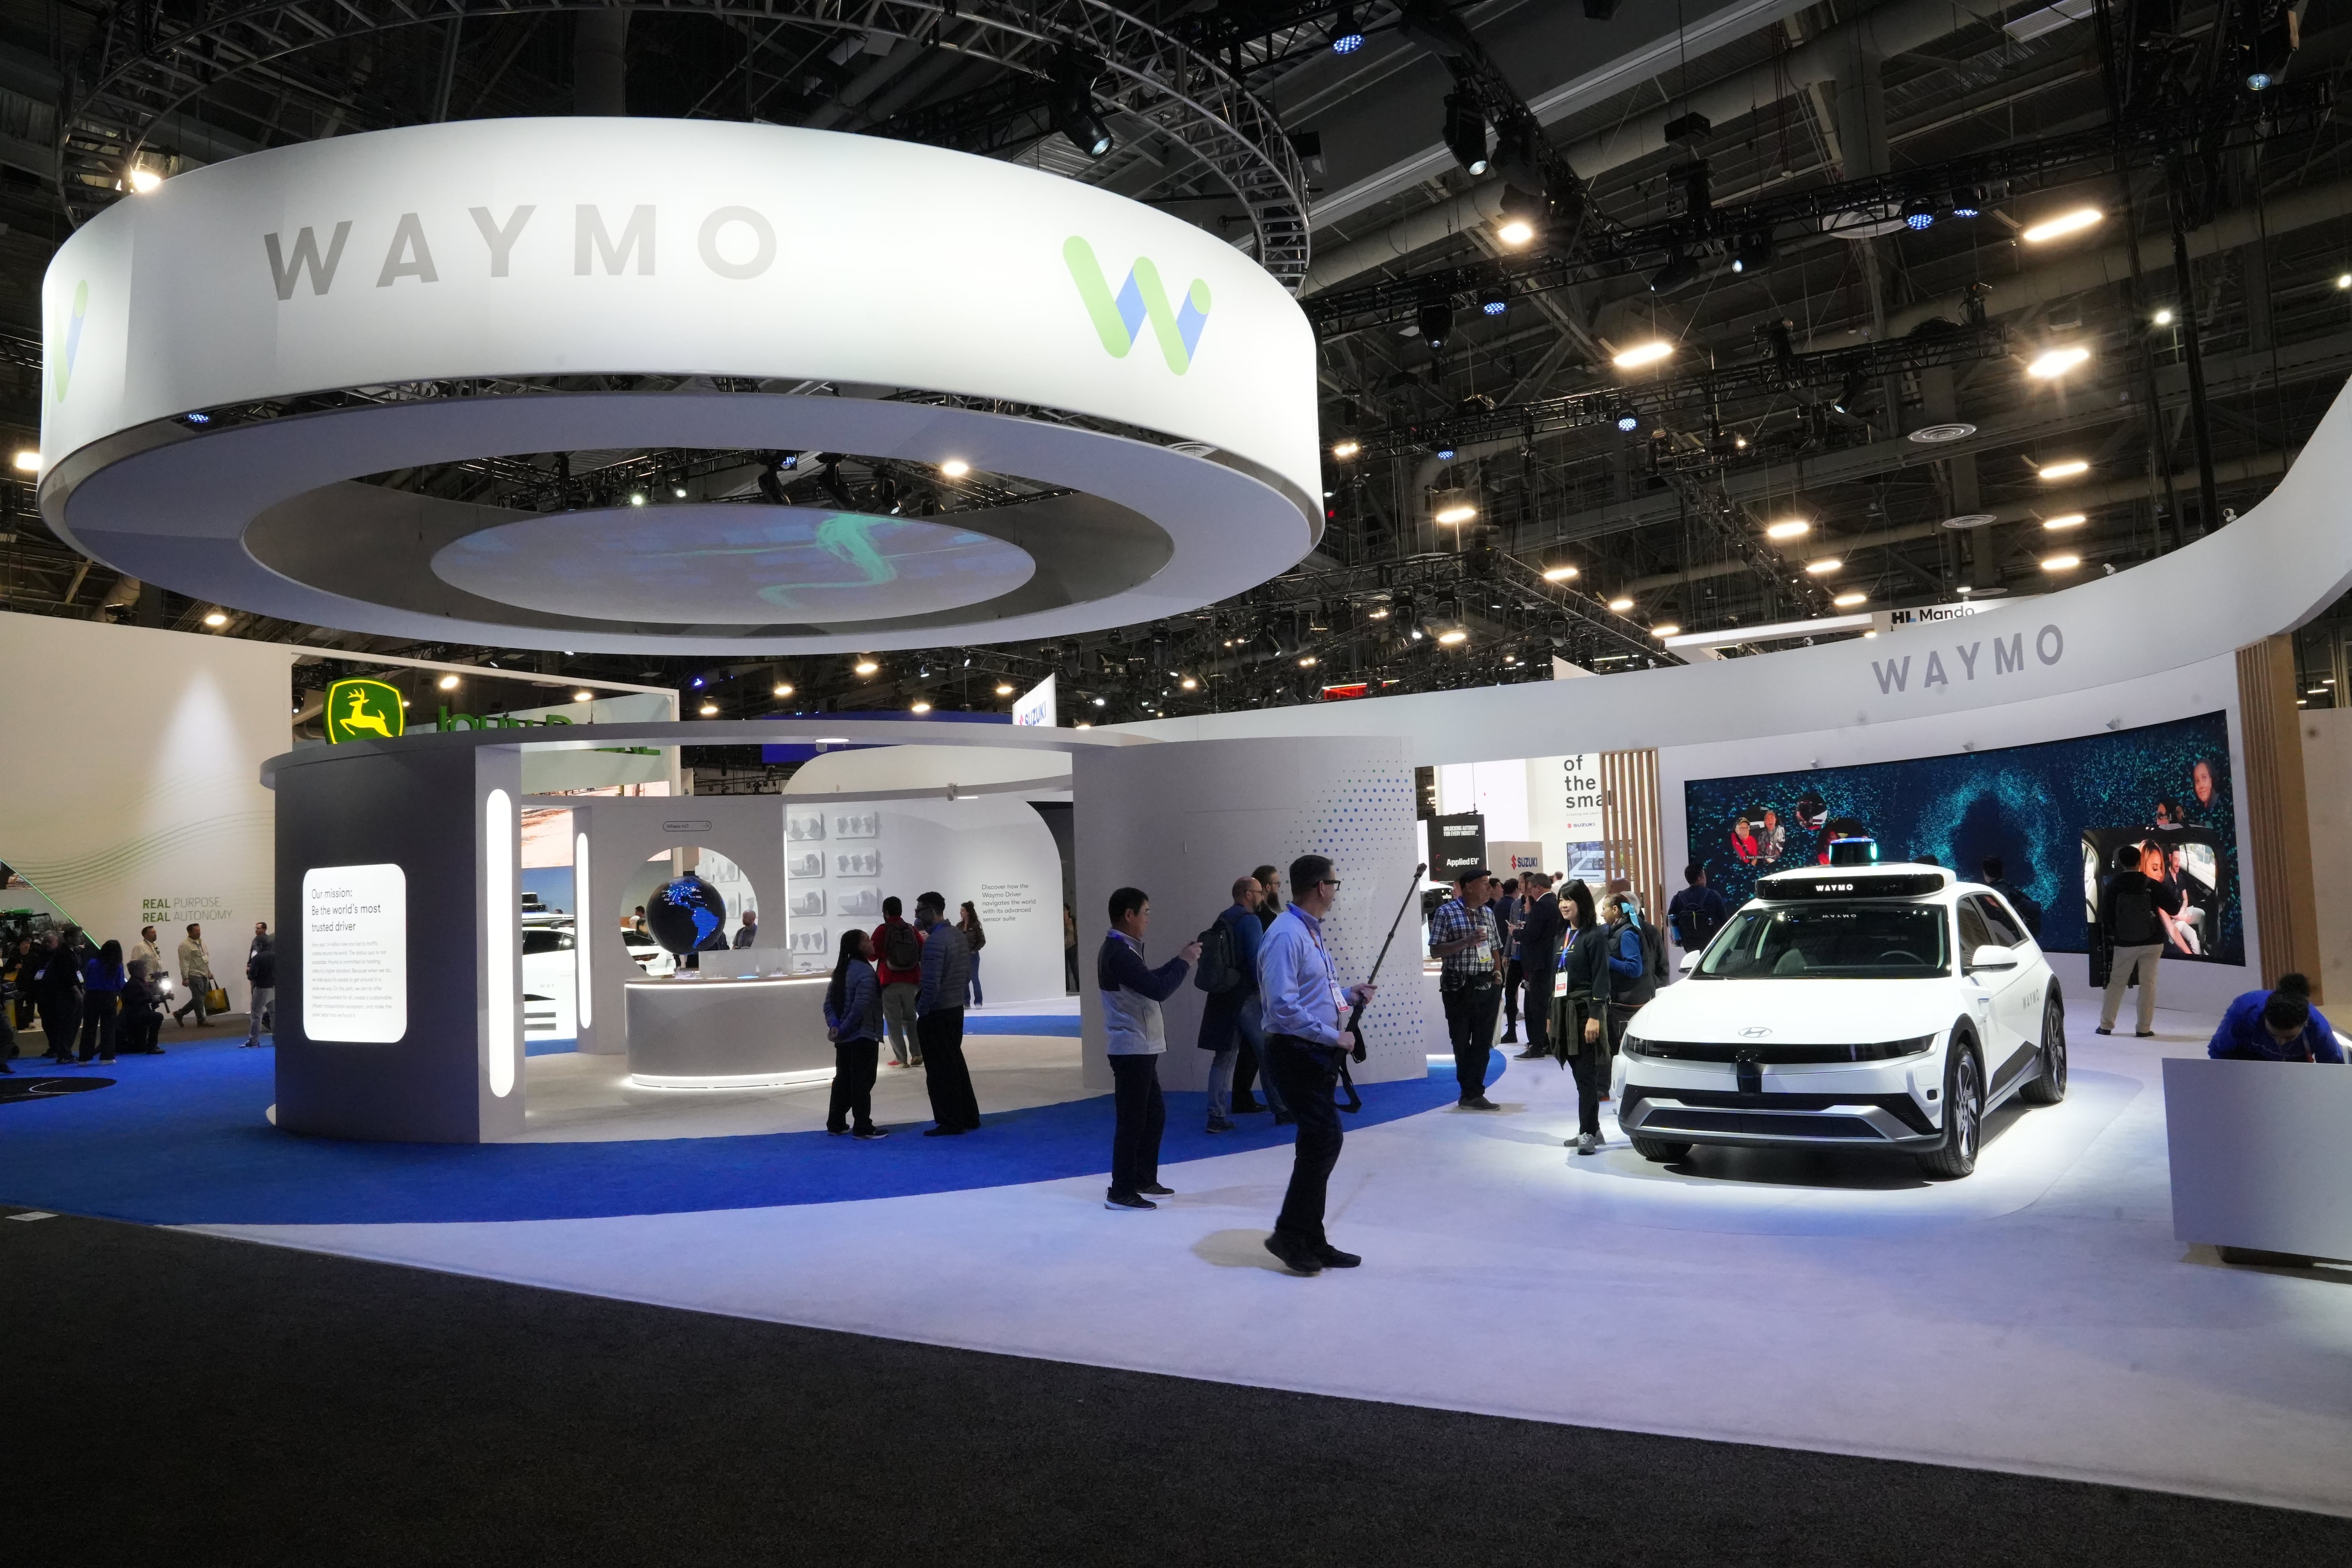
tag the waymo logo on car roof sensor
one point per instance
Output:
(1120, 318)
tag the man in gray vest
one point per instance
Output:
(1137, 1037)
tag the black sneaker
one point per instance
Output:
(2143, 1033)
(1127, 1201)
(942, 1132)
(870, 1134)
(1479, 1102)
(1221, 1124)
(1154, 1190)
(1246, 1105)
(1510, 1037)
(1298, 1257)
(1334, 1259)
(836, 1132)
(2103, 1029)
(1531, 1054)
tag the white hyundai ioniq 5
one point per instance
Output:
(1856, 1006)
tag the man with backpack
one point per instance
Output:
(1696, 913)
(2131, 909)
(1228, 974)
(898, 964)
(1637, 959)
(2027, 908)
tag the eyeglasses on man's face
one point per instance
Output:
(1330, 882)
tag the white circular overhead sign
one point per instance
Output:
(230, 358)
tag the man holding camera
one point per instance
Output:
(1307, 1039)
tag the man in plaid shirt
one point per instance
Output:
(1464, 935)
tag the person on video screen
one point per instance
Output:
(1772, 838)
(2202, 786)
(1743, 842)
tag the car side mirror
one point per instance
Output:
(1690, 961)
(1991, 956)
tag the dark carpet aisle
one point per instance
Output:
(174, 1398)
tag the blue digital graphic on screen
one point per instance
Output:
(2038, 809)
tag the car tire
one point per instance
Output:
(2048, 1086)
(1963, 1114)
(1661, 1150)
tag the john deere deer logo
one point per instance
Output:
(357, 708)
(1120, 318)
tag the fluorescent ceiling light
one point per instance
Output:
(784, 689)
(1457, 512)
(1189, 684)
(1848, 601)
(1452, 638)
(1824, 566)
(2064, 224)
(215, 619)
(921, 708)
(449, 682)
(2068, 469)
(1559, 574)
(1621, 603)
(955, 467)
(580, 697)
(2061, 562)
(2057, 361)
(866, 666)
(27, 460)
(1641, 355)
(2072, 519)
(1004, 689)
(1669, 630)
(710, 709)
(1787, 528)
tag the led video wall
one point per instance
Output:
(2056, 814)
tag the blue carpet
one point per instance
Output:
(554, 1046)
(181, 1140)
(1064, 1024)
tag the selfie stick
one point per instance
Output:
(1355, 1017)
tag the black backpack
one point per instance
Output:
(900, 948)
(1217, 972)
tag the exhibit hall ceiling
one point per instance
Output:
(1742, 320)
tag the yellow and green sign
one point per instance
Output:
(359, 710)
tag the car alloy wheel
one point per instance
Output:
(1956, 1155)
(2049, 1084)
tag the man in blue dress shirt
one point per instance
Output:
(1307, 1039)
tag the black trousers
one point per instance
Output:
(1307, 1074)
(1513, 978)
(143, 1021)
(953, 1104)
(1539, 989)
(1591, 1064)
(60, 1016)
(100, 1011)
(1470, 1026)
(853, 1064)
(1142, 1115)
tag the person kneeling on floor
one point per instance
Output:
(2276, 1025)
(1137, 1038)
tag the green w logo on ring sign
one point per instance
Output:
(1120, 318)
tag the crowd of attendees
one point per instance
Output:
(93, 1003)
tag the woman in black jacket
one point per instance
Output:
(853, 1021)
(1579, 1032)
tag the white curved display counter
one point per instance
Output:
(728, 1033)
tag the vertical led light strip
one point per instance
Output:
(501, 917)
(580, 941)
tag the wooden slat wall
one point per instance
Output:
(1628, 825)
(2278, 815)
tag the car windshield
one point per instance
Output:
(1836, 940)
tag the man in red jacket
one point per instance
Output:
(898, 964)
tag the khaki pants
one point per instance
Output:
(2118, 972)
(899, 1022)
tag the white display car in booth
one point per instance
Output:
(1849, 1006)
(551, 993)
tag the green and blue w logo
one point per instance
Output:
(1120, 318)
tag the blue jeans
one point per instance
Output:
(1221, 1082)
(1251, 1024)
(974, 985)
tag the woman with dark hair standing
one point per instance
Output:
(975, 939)
(853, 1022)
(1580, 1033)
(102, 983)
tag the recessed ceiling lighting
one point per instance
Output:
(784, 689)
(2064, 224)
(2072, 519)
(2057, 361)
(1824, 566)
(2070, 468)
(866, 666)
(1454, 636)
(1787, 528)
(2061, 562)
(1641, 355)
(216, 618)
(1667, 629)
(448, 683)
(1848, 601)
(1621, 603)
(1559, 574)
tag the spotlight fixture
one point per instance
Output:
(2061, 562)
(1306, 661)
(2164, 318)
(637, 497)
(1641, 355)
(1099, 701)
(1379, 614)
(1492, 301)
(866, 666)
(1850, 393)
(1345, 448)
(580, 697)
(1466, 133)
(1918, 214)
(1435, 323)
(143, 181)
(784, 689)
(2056, 362)
(955, 467)
(708, 709)
(197, 418)
(1824, 566)
(1848, 601)
(27, 460)
(920, 706)
(1075, 114)
(1451, 507)
(1678, 270)
(2072, 519)
(1346, 37)
(677, 490)
(2069, 468)
(1627, 420)
(2064, 224)
(1454, 639)
(1754, 253)
(1666, 629)
(1516, 231)
(1787, 528)
(1621, 603)
(2343, 280)
(1445, 454)
(216, 619)
(446, 683)
(1559, 574)
(1966, 202)
(1189, 684)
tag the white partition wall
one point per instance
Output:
(1183, 821)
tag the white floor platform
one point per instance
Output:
(2038, 1317)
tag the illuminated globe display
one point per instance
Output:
(686, 914)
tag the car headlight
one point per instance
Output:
(1630, 1043)
(1894, 1050)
